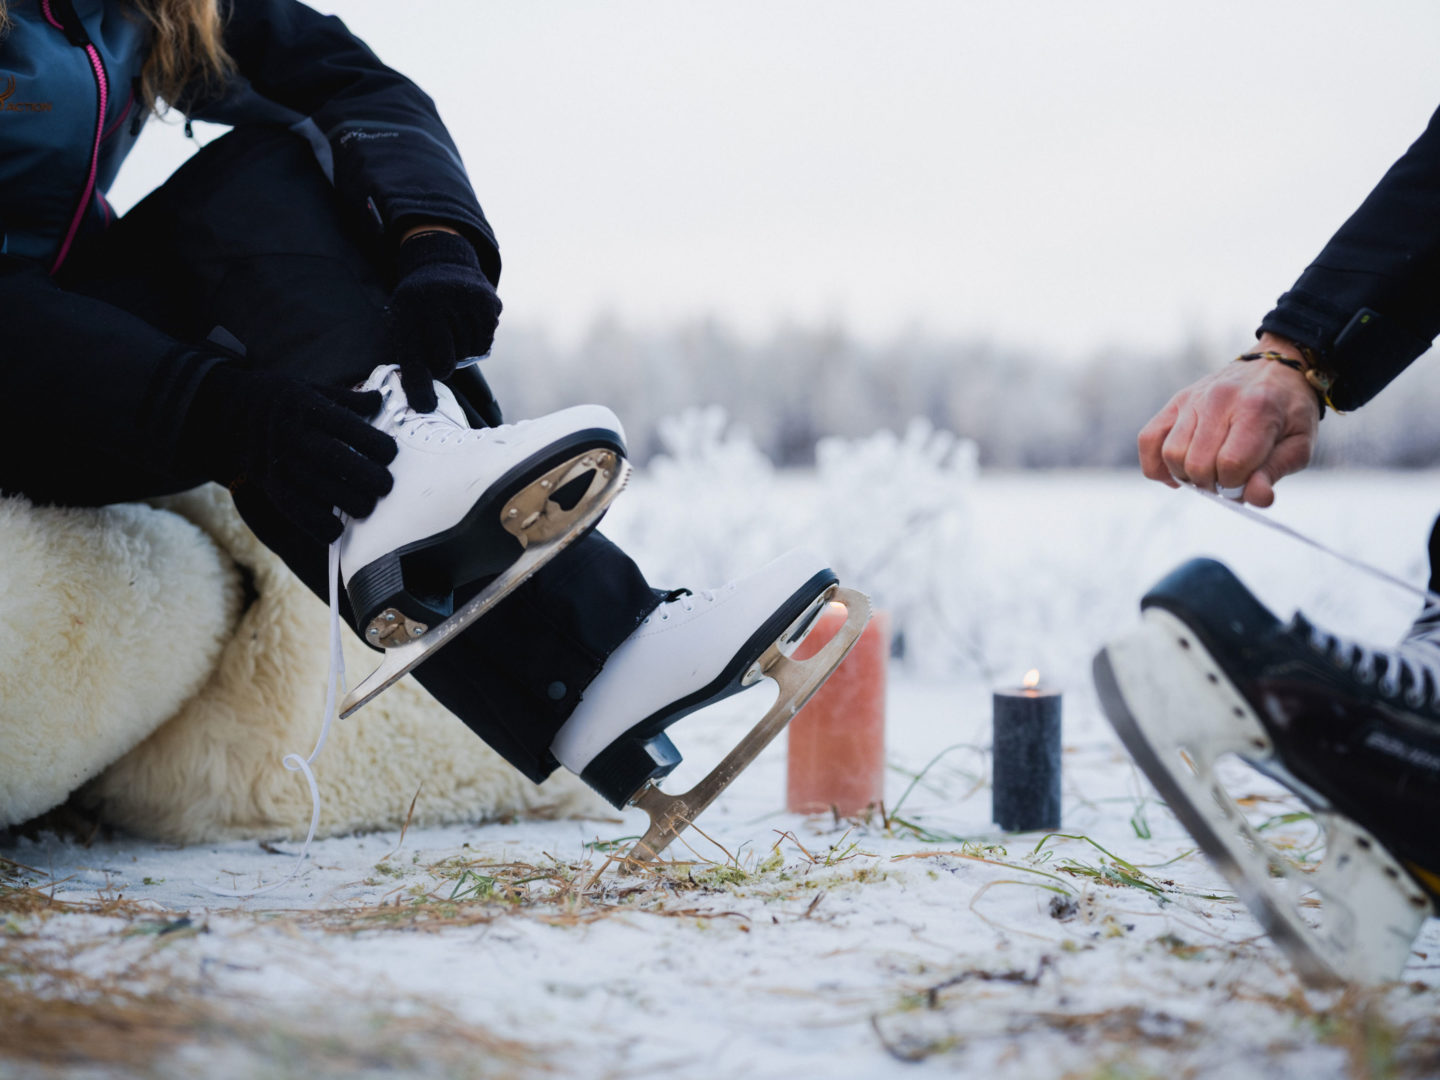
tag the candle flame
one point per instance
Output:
(1032, 679)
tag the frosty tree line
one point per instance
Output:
(1023, 409)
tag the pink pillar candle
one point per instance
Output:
(837, 741)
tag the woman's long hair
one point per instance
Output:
(186, 50)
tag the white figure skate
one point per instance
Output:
(467, 504)
(1354, 732)
(694, 650)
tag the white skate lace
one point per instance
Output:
(1431, 601)
(447, 423)
(1401, 669)
(428, 426)
(334, 687)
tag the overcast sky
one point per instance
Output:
(1059, 174)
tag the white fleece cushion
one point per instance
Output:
(128, 663)
(213, 770)
(113, 618)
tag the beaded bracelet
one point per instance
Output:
(1322, 381)
(1319, 381)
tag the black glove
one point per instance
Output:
(307, 448)
(443, 310)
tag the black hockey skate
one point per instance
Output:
(1354, 731)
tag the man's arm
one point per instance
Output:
(1358, 316)
(1370, 302)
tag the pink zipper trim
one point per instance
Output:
(102, 83)
(124, 115)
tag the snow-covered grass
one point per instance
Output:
(914, 942)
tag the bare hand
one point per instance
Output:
(1247, 424)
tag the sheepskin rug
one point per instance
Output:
(132, 680)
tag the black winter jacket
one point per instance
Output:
(1370, 302)
(64, 129)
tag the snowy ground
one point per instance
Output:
(920, 943)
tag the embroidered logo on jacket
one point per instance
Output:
(6, 105)
(366, 136)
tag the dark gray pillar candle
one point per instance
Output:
(1025, 761)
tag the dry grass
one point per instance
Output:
(459, 892)
(1360, 1022)
(143, 1016)
(140, 1019)
(146, 1016)
(21, 897)
(914, 1039)
(941, 1020)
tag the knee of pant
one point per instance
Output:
(498, 711)
(520, 647)
(593, 592)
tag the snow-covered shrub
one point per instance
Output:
(892, 514)
(889, 513)
(705, 508)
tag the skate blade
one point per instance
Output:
(1178, 714)
(541, 545)
(669, 814)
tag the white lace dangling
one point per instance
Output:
(335, 685)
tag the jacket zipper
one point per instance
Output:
(102, 88)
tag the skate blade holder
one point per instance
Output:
(1178, 715)
(545, 508)
(532, 515)
(544, 528)
(798, 680)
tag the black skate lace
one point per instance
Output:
(708, 595)
(1406, 669)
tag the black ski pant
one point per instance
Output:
(1434, 585)
(246, 237)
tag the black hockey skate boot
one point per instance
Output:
(468, 505)
(696, 649)
(1353, 730)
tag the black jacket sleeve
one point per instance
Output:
(1370, 302)
(394, 163)
(104, 395)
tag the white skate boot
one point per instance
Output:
(692, 651)
(467, 504)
